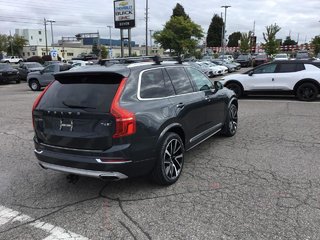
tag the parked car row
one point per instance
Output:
(8, 74)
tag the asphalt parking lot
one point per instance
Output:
(263, 183)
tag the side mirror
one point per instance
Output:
(250, 73)
(218, 85)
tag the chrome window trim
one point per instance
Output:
(160, 98)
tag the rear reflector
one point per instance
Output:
(112, 161)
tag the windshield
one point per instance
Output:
(33, 65)
(281, 56)
(5, 66)
(243, 57)
(261, 56)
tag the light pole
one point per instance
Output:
(224, 28)
(147, 9)
(51, 21)
(150, 37)
(110, 47)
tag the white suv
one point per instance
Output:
(11, 59)
(301, 78)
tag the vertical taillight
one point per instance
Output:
(37, 101)
(125, 120)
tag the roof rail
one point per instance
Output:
(127, 60)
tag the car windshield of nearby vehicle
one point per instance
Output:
(200, 80)
(270, 68)
(261, 57)
(243, 57)
(33, 65)
(281, 56)
(5, 66)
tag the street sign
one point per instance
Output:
(54, 54)
(124, 14)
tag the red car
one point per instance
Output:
(260, 59)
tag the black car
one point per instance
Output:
(245, 60)
(124, 121)
(27, 67)
(8, 73)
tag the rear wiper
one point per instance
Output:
(77, 106)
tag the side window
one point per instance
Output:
(49, 68)
(286, 67)
(300, 67)
(180, 80)
(270, 68)
(201, 82)
(154, 85)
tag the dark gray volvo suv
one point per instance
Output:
(124, 121)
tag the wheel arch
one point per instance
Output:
(306, 80)
(32, 78)
(175, 128)
(234, 81)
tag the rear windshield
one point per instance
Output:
(89, 93)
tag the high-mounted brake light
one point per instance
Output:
(37, 101)
(125, 120)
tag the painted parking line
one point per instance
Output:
(8, 215)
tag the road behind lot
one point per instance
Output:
(263, 183)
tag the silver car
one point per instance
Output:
(39, 79)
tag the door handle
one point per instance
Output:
(180, 105)
(272, 79)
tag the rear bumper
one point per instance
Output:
(114, 163)
(83, 172)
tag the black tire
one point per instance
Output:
(307, 92)
(170, 160)
(236, 88)
(231, 124)
(34, 85)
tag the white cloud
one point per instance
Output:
(73, 17)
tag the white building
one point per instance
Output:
(35, 37)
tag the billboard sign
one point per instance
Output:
(124, 14)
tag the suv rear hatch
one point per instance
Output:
(74, 112)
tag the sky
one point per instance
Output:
(300, 18)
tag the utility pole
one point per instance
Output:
(225, 27)
(11, 44)
(150, 37)
(222, 33)
(110, 42)
(147, 27)
(51, 21)
(45, 34)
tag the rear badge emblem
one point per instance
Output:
(66, 125)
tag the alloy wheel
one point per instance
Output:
(173, 159)
(233, 119)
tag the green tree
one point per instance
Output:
(16, 44)
(245, 42)
(289, 41)
(3, 43)
(179, 34)
(95, 50)
(271, 45)
(215, 32)
(234, 39)
(178, 11)
(104, 52)
(316, 44)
